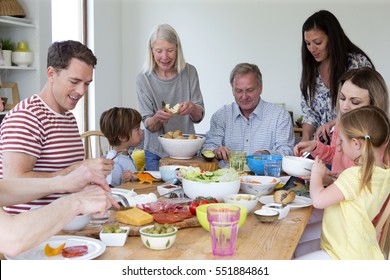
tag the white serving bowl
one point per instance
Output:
(258, 185)
(158, 241)
(181, 148)
(297, 166)
(266, 215)
(249, 201)
(114, 239)
(22, 59)
(78, 223)
(168, 172)
(217, 190)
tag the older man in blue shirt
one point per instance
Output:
(249, 124)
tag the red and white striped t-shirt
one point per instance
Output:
(35, 129)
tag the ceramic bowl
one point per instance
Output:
(249, 201)
(158, 241)
(114, 239)
(297, 166)
(214, 189)
(181, 148)
(168, 172)
(256, 162)
(78, 223)
(266, 215)
(258, 185)
(201, 215)
(22, 59)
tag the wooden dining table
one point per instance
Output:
(255, 241)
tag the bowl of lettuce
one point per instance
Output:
(217, 184)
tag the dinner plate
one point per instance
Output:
(299, 201)
(95, 248)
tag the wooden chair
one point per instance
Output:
(95, 144)
(382, 228)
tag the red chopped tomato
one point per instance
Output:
(193, 206)
(75, 251)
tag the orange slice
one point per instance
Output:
(49, 251)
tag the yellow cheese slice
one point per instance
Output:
(134, 216)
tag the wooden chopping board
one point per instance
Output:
(93, 231)
(194, 161)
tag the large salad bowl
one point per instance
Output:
(217, 184)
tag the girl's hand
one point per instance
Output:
(319, 168)
(127, 175)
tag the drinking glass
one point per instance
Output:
(223, 221)
(237, 160)
(272, 168)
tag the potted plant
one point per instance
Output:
(6, 46)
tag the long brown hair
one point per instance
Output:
(370, 124)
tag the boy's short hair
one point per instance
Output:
(119, 121)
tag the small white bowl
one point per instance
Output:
(158, 241)
(168, 172)
(258, 185)
(297, 166)
(78, 223)
(114, 239)
(163, 189)
(249, 201)
(266, 215)
(22, 59)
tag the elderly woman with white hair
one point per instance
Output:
(167, 78)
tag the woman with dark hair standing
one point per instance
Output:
(327, 53)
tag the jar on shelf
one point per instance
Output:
(22, 56)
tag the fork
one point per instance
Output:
(118, 153)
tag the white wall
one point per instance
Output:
(217, 34)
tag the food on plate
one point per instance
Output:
(171, 217)
(75, 251)
(274, 180)
(134, 216)
(284, 197)
(49, 251)
(245, 197)
(200, 200)
(219, 175)
(145, 177)
(159, 229)
(113, 228)
(174, 110)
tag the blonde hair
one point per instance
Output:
(167, 33)
(370, 124)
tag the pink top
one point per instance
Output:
(330, 154)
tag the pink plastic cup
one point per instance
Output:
(223, 221)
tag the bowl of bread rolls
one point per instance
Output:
(179, 145)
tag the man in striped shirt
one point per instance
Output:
(249, 124)
(39, 136)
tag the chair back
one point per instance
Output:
(95, 144)
(382, 228)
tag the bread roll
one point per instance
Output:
(284, 197)
(174, 110)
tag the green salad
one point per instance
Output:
(220, 175)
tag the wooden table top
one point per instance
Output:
(256, 240)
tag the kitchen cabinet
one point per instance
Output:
(35, 29)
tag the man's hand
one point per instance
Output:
(81, 177)
(222, 153)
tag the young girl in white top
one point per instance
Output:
(356, 197)
(121, 126)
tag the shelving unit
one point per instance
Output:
(28, 79)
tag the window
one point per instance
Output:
(67, 24)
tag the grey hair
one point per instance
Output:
(167, 33)
(245, 68)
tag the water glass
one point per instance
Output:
(272, 168)
(237, 160)
(223, 221)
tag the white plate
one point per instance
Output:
(299, 202)
(95, 248)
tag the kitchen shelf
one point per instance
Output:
(18, 68)
(15, 22)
